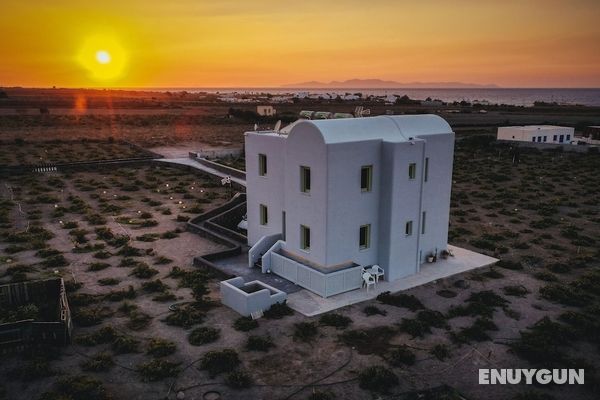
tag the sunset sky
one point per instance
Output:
(263, 43)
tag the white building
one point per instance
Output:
(326, 197)
(266, 111)
(537, 133)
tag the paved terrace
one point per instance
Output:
(310, 304)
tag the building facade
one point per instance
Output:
(537, 134)
(266, 111)
(351, 192)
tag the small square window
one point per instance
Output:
(304, 237)
(364, 236)
(262, 164)
(366, 178)
(408, 228)
(305, 179)
(264, 215)
(412, 171)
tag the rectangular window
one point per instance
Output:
(554, 139)
(412, 171)
(264, 216)
(262, 164)
(533, 139)
(561, 138)
(568, 138)
(366, 178)
(408, 228)
(426, 172)
(423, 219)
(305, 179)
(364, 236)
(304, 237)
(545, 138)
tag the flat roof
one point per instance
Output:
(537, 127)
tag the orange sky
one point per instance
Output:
(226, 43)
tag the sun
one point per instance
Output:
(103, 57)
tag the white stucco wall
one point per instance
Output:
(527, 133)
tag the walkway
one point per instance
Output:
(195, 164)
(311, 304)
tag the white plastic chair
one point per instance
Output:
(377, 271)
(368, 280)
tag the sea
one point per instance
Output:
(512, 96)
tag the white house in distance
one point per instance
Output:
(537, 133)
(266, 111)
(327, 197)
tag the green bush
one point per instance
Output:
(278, 311)
(125, 345)
(401, 356)
(238, 380)
(259, 343)
(98, 363)
(245, 324)
(336, 320)
(564, 294)
(374, 310)
(160, 347)
(377, 379)
(80, 387)
(156, 370)
(401, 300)
(98, 266)
(515, 290)
(305, 331)
(203, 335)
(143, 271)
(440, 351)
(218, 362)
(185, 317)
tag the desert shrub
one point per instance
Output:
(369, 341)
(164, 297)
(589, 281)
(203, 335)
(185, 317)
(108, 281)
(138, 321)
(377, 379)
(162, 260)
(98, 266)
(103, 335)
(515, 290)
(414, 327)
(148, 237)
(157, 369)
(55, 261)
(401, 300)
(245, 324)
(564, 294)
(374, 310)
(154, 286)
(259, 343)
(482, 304)
(545, 276)
(219, 361)
(541, 343)
(559, 268)
(336, 320)
(238, 380)
(278, 311)
(79, 387)
(401, 356)
(124, 344)
(305, 331)
(432, 318)
(493, 274)
(89, 316)
(143, 271)
(170, 235)
(118, 295)
(440, 351)
(128, 251)
(102, 255)
(321, 395)
(34, 369)
(476, 332)
(158, 347)
(98, 363)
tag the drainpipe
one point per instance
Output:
(422, 183)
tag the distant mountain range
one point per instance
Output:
(381, 84)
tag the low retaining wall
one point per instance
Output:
(323, 284)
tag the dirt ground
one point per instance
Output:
(540, 217)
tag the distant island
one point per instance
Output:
(381, 84)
